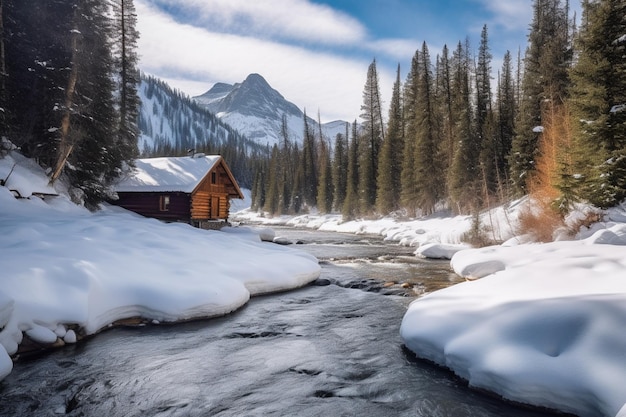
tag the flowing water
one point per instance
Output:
(329, 349)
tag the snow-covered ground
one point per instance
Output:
(66, 272)
(540, 324)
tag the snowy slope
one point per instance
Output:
(171, 123)
(256, 110)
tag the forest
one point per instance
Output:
(554, 129)
(68, 89)
(551, 124)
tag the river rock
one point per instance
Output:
(321, 282)
(282, 241)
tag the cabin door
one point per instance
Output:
(215, 207)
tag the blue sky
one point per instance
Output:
(315, 53)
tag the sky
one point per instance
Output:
(315, 53)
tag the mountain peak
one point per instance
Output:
(256, 109)
(216, 93)
(257, 79)
(253, 97)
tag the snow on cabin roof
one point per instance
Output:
(167, 174)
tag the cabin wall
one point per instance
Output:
(209, 206)
(210, 200)
(148, 204)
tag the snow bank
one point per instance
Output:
(540, 324)
(543, 327)
(64, 268)
(439, 250)
(498, 225)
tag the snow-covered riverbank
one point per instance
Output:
(540, 324)
(66, 272)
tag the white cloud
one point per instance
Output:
(512, 15)
(192, 59)
(298, 20)
(401, 49)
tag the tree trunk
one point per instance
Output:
(66, 145)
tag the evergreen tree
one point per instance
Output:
(408, 183)
(257, 195)
(390, 163)
(599, 101)
(298, 182)
(87, 151)
(62, 97)
(483, 85)
(464, 175)
(309, 166)
(351, 203)
(370, 141)
(35, 37)
(444, 95)
(545, 80)
(427, 156)
(3, 75)
(485, 123)
(125, 38)
(272, 185)
(340, 169)
(506, 113)
(325, 184)
(286, 170)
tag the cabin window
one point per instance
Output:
(164, 203)
(213, 177)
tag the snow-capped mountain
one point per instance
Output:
(256, 110)
(172, 123)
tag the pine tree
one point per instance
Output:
(62, 97)
(35, 36)
(272, 185)
(340, 170)
(287, 168)
(599, 101)
(545, 80)
(485, 122)
(125, 38)
(506, 113)
(351, 203)
(408, 183)
(325, 185)
(390, 163)
(370, 141)
(3, 75)
(483, 85)
(427, 150)
(297, 197)
(464, 176)
(309, 166)
(448, 120)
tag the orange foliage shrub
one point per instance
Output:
(542, 219)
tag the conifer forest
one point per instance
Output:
(552, 126)
(457, 133)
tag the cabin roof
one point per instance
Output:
(180, 174)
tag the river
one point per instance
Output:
(331, 349)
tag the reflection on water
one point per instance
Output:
(323, 350)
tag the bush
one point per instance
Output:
(539, 221)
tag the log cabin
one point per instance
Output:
(193, 189)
